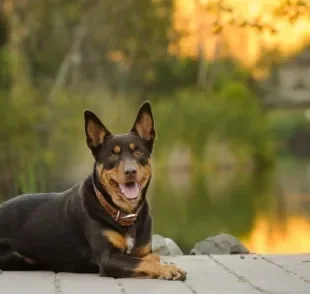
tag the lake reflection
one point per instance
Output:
(269, 211)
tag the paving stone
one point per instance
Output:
(27, 283)
(298, 264)
(224, 274)
(87, 284)
(142, 286)
(262, 274)
(206, 276)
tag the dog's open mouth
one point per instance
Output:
(130, 190)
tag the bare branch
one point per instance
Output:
(67, 62)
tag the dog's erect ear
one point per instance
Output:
(144, 124)
(95, 131)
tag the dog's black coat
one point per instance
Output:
(79, 230)
(59, 230)
(64, 231)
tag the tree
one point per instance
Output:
(290, 10)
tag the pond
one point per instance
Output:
(268, 211)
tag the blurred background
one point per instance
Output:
(230, 89)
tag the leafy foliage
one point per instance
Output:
(49, 73)
(291, 10)
(232, 115)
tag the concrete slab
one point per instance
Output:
(27, 283)
(263, 275)
(298, 265)
(142, 286)
(206, 276)
(225, 274)
(85, 283)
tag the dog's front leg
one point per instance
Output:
(145, 252)
(118, 265)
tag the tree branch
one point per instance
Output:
(60, 79)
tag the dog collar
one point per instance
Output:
(118, 215)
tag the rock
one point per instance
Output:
(165, 246)
(219, 244)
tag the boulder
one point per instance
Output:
(219, 244)
(165, 246)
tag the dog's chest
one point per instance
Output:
(125, 242)
(130, 242)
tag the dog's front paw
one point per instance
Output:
(171, 272)
(152, 257)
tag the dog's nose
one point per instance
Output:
(130, 172)
(130, 168)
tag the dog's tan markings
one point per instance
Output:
(100, 168)
(152, 257)
(96, 133)
(105, 179)
(132, 146)
(115, 238)
(110, 178)
(151, 269)
(117, 149)
(145, 253)
(143, 250)
(144, 127)
(146, 172)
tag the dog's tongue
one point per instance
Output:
(130, 191)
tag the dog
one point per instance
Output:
(102, 225)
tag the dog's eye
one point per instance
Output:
(138, 153)
(112, 156)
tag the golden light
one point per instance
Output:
(245, 44)
(289, 236)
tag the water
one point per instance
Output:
(268, 211)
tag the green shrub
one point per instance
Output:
(231, 115)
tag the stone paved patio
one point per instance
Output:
(216, 274)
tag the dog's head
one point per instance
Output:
(123, 162)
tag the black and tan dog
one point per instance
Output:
(101, 225)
